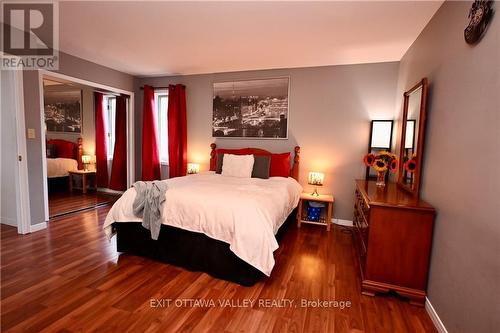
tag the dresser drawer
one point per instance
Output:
(362, 207)
(361, 224)
(360, 248)
(361, 230)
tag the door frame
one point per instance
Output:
(130, 127)
(23, 198)
(23, 215)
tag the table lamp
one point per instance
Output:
(86, 161)
(193, 168)
(316, 179)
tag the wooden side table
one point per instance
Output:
(85, 179)
(326, 214)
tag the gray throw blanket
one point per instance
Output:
(147, 204)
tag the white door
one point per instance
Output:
(14, 200)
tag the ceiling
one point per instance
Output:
(171, 38)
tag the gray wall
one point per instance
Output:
(83, 69)
(75, 67)
(462, 156)
(330, 112)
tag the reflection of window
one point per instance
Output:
(410, 134)
(161, 105)
(109, 123)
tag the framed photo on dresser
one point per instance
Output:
(256, 109)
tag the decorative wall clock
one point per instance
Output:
(479, 15)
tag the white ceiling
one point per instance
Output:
(152, 38)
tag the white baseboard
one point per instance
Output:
(434, 317)
(38, 226)
(345, 223)
(8, 221)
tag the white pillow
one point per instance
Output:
(237, 165)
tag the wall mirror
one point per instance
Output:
(412, 137)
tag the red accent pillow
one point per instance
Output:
(65, 149)
(280, 165)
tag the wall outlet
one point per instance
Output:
(31, 133)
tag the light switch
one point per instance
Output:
(31, 133)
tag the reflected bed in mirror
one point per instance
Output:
(412, 137)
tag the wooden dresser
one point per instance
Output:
(393, 238)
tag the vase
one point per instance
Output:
(381, 178)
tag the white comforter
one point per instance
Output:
(60, 167)
(243, 212)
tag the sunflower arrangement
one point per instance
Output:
(382, 161)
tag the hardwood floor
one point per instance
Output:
(66, 202)
(69, 278)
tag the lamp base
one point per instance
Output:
(315, 193)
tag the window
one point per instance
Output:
(161, 103)
(161, 109)
(109, 120)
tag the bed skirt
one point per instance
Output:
(191, 250)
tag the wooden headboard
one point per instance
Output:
(79, 153)
(294, 171)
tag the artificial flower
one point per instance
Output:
(411, 165)
(380, 165)
(382, 161)
(369, 159)
(386, 153)
(393, 166)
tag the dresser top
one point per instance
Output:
(390, 195)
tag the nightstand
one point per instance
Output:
(326, 212)
(86, 175)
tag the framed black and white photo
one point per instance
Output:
(251, 109)
(63, 110)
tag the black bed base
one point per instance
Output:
(58, 184)
(191, 250)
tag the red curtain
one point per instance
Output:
(150, 154)
(118, 179)
(177, 131)
(100, 142)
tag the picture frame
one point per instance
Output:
(251, 109)
(63, 110)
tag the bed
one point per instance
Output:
(62, 156)
(225, 226)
